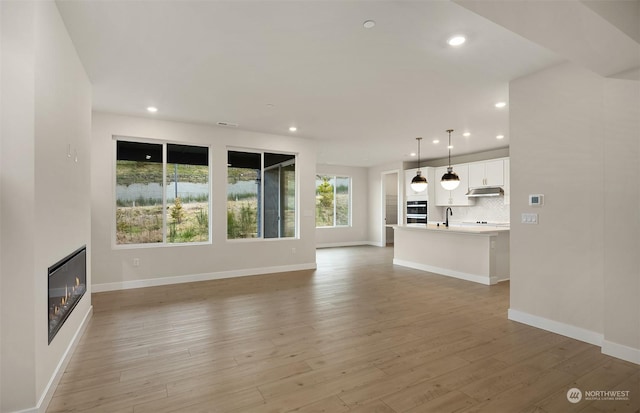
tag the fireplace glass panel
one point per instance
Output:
(67, 285)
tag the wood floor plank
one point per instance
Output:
(424, 392)
(357, 334)
(401, 380)
(450, 402)
(331, 404)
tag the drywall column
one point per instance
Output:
(557, 266)
(622, 229)
(575, 139)
(18, 226)
(45, 194)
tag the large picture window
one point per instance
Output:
(162, 193)
(261, 195)
(333, 201)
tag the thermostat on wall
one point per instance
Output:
(536, 199)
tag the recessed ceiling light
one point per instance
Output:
(436, 141)
(466, 134)
(500, 137)
(501, 104)
(456, 41)
(450, 147)
(152, 109)
(292, 129)
(412, 154)
(368, 24)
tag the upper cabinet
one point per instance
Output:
(457, 197)
(488, 173)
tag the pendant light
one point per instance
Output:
(450, 180)
(419, 182)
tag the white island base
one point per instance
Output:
(479, 254)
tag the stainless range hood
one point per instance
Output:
(490, 191)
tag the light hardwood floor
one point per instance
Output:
(356, 335)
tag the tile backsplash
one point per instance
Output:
(491, 209)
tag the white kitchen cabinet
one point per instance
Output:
(488, 173)
(408, 176)
(457, 197)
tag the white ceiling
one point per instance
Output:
(363, 94)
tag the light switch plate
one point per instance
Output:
(529, 218)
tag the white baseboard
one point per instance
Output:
(444, 271)
(179, 279)
(557, 327)
(31, 410)
(342, 244)
(47, 395)
(621, 351)
(607, 347)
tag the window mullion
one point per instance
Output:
(261, 198)
(164, 193)
(335, 201)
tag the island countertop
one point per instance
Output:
(478, 253)
(480, 229)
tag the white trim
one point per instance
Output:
(496, 280)
(621, 351)
(179, 279)
(557, 327)
(50, 389)
(29, 410)
(482, 279)
(609, 348)
(342, 244)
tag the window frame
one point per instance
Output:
(335, 178)
(262, 170)
(114, 206)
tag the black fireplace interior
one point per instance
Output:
(67, 285)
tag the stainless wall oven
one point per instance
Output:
(416, 212)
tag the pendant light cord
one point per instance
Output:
(449, 147)
(418, 139)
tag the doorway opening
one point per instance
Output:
(390, 205)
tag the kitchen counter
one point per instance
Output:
(457, 228)
(469, 252)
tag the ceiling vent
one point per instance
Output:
(227, 124)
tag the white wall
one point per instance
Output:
(357, 233)
(45, 211)
(561, 279)
(113, 267)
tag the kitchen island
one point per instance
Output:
(473, 253)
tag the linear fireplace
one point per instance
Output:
(67, 285)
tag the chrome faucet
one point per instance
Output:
(447, 212)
